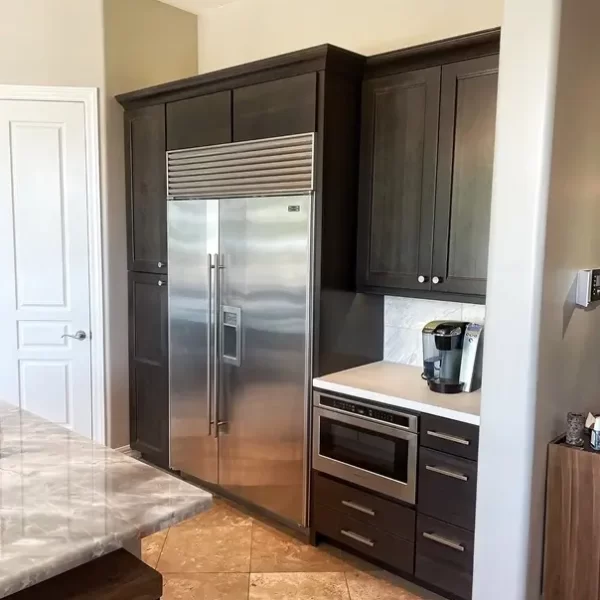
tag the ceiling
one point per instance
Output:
(197, 6)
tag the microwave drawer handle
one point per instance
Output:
(447, 472)
(449, 438)
(438, 539)
(357, 538)
(359, 508)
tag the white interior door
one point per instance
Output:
(45, 291)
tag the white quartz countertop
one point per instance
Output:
(65, 500)
(401, 386)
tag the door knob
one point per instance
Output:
(79, 335)
(436, 280)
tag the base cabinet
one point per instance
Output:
(444, 556)
(430, 543)
(149, 367)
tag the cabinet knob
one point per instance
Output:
(161, 283)
(160, 265)
(436, 280)
(422, 279)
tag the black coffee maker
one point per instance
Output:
(442, 355)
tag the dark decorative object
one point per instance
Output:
(575, 425)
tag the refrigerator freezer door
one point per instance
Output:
(193, 246)
(264, 331)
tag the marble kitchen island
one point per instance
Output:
(65, 501)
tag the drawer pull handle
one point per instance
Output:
(438, 539)
(359, 508)
(447, 473)
(357, 538)
(449, 438)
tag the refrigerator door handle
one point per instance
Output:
(209, 346)
(216, 344)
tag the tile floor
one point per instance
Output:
(224, 554)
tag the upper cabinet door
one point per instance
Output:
(464, 181)
(397, 180)
(146, 189)
(199, 121)
(275, 108)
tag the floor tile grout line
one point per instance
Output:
(250, 562)
(162, 548)
(347, 585)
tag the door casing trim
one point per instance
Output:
(88, 97)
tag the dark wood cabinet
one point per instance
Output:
(427, 150)
(444, 557)
(146, 189)
(397, 195)
(447, 488)
(464, 175)
(200, 121)
(281, 107)
(372, 509)
(149, 366)
(378, 544)
(452, 437)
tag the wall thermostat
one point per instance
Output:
(588, 287)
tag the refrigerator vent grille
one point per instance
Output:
(258, 167)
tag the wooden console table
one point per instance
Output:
(572, 542)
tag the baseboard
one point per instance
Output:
(129, 452)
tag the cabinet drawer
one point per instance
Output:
(444, 556)
(454, 437)
(366, 507)
(281, 107)
(373, 542)
(447, 488)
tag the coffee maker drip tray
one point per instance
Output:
(444, 386)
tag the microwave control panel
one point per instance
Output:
(364, 411)
(588, 287)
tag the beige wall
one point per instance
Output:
(252, 29)
(115, 46)
(51, 42)
(146, 43)
(545, 211)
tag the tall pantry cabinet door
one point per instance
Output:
(145, 160)
(464, 181)
(149, 367)
(397, 180)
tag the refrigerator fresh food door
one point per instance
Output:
(265, 323)
(193, 228)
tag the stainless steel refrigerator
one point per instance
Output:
(240, 318)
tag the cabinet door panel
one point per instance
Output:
(200, 121)
(146, 189)
(275, 108)
(465, 170)
(397, 193)
(148, 364)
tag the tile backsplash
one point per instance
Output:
(406, 317)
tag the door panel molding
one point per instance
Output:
(88, 98)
